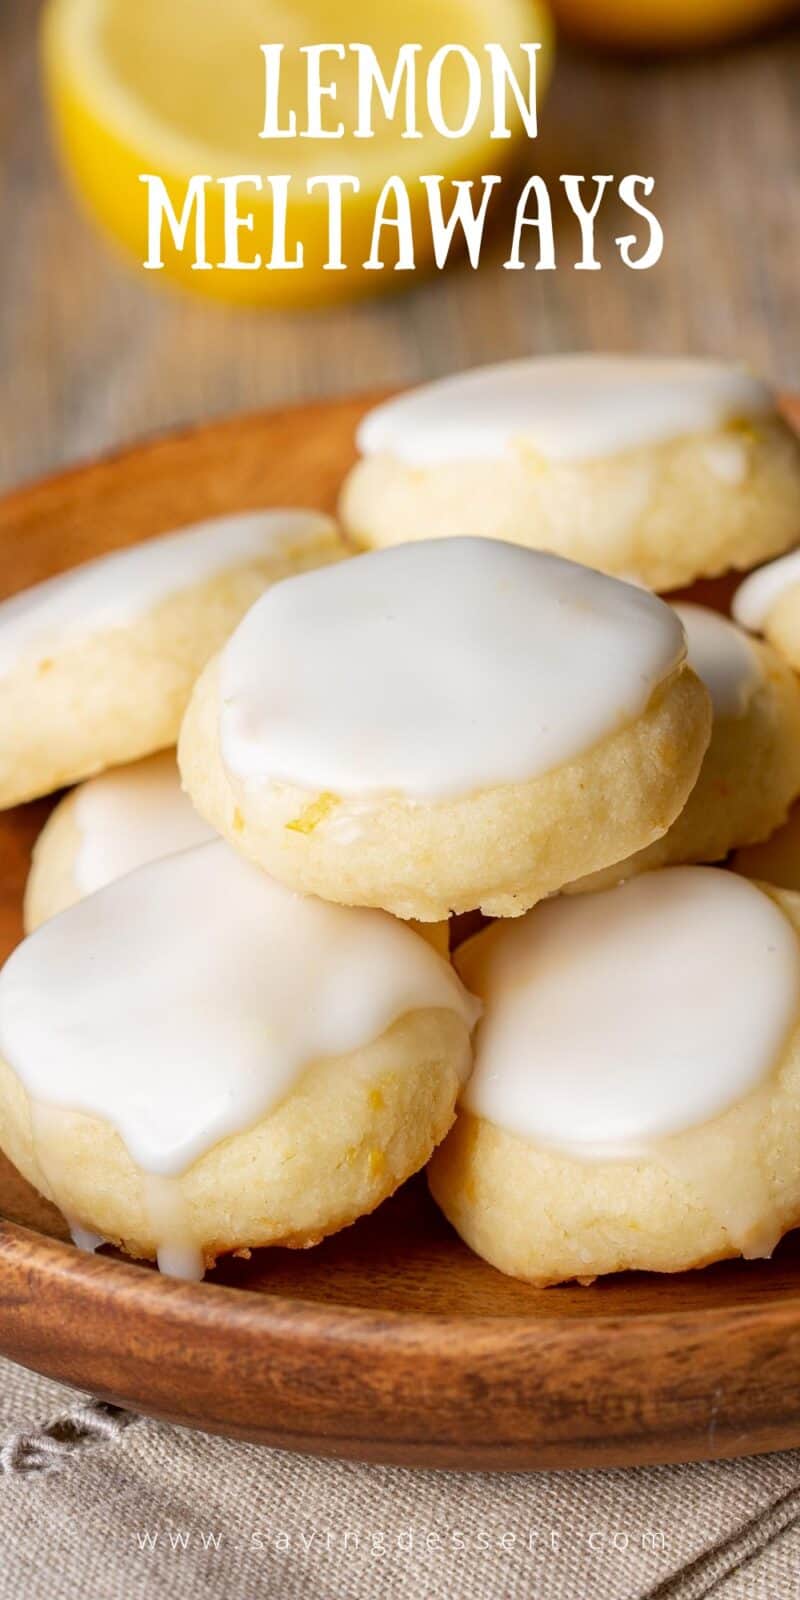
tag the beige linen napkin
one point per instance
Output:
(100, 1505)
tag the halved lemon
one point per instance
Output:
(177, 88)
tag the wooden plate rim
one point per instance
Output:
(57, 1259)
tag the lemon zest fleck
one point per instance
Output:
(314, 814)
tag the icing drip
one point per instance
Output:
(437, 668)
(179, 1253)
(619, 1021)
(723, 657)
(755, 598)
(181, 1261)
(565, 408)
(83, 1238)
(129, 816)
(114, 590)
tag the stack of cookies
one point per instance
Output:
(235, 1020)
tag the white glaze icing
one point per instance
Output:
(115, 590)
(614, 1020)
(83, 1238)
(755, 598)
(723, 657)
(565, 408)
(129, 816)
(437, 668)
(183, 1002)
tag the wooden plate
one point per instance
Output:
(390, 1342)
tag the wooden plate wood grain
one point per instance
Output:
(390, 1342)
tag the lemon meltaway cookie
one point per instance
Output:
(751, 770)
(657, 469)
(195, 1060)
(106, 827)
(444, 726)
(635, 1101)
(96, 665)
(768, 602)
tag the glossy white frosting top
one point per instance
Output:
(131, 815)
(613, 1020)
(564, 408)
(436, 669)
(755, 598)
(182, 1003)
(723, 656)
(116, 589)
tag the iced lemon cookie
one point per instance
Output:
(116, 822)
(195, 1060)
(768, 602)
(655, 469)
(444, 726)
(751, 770)
(96, 665)
(635, 1101)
